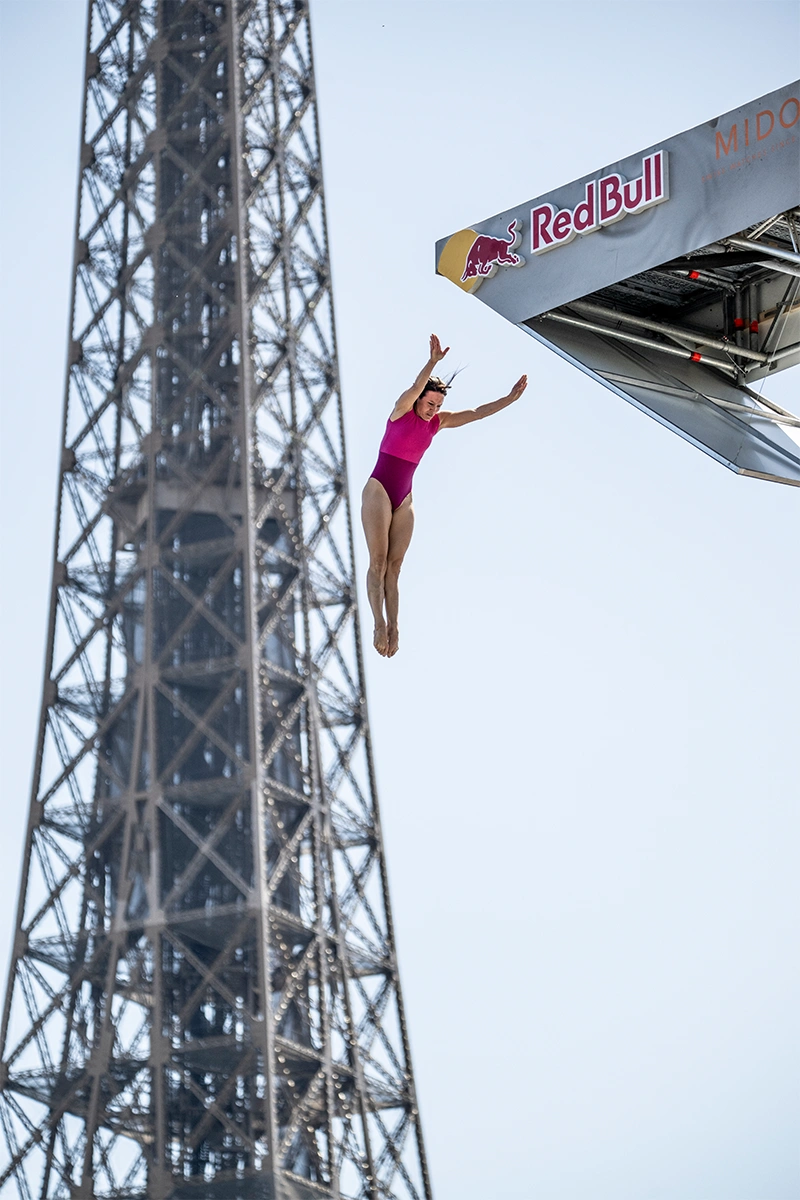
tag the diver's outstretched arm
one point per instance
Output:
(410, 396)
(452, 420)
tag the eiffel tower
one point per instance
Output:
(203, 1000)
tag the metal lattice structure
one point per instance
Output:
(203, 999)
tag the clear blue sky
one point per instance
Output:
(587, 747)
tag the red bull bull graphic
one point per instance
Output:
(470, 257)
(606, 200)
(487, 253)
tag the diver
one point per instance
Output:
(387, 509)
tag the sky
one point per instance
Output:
(587, 746)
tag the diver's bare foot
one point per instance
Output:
(380, 639)
(393, 641)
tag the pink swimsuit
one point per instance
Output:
(404, 443)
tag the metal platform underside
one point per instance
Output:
(688, 340)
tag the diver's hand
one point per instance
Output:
(518, 388)
(437, 353)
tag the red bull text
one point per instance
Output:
(605, 201)
(487, 253)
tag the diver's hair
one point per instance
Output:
(435, 384)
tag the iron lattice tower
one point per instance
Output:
(203, 999)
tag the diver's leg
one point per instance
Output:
(400, 532)
(376, 517)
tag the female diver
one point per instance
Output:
(387, 511)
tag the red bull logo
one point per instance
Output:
(469, 257)
(605, 201)
(487, 253)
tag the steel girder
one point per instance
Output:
(203, 999)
